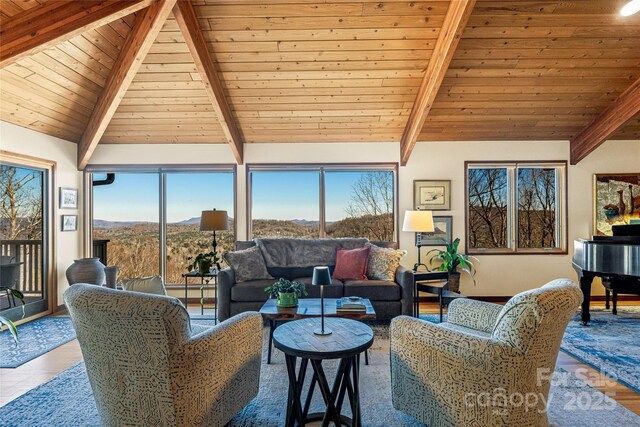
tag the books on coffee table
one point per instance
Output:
(350, 304)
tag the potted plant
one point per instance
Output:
(203, 262)
(7, 322)
(453, 263)
(287, 292)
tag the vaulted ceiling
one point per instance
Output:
(324, 71)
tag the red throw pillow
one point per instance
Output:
(351, 264)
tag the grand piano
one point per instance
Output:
(616, 259)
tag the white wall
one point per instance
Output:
(498, 275)
(68, 245)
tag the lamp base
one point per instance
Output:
(319, 331)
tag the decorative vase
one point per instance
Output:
(86, 270)
(204, 266)
(287, 299)
(453, 284)
(111, 274)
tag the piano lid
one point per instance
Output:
(626, 230)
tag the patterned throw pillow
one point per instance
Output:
(247, 264)
(383, 263)
(147, 285)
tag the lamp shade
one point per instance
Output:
(214, 220)
(321, 276)
(418, 221)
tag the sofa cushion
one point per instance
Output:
(335, 290)
(383, 263)
(290, 252)
(247, 264)
(375, 290)
(351, 264)
(147, 285)
(252, 290)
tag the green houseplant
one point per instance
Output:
(203, 262)
(7, 322)
(287, 292)
(453, 263)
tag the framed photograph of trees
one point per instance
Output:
(432, 195)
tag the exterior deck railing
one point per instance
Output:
(29, 253)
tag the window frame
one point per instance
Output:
(161, 171)
(321, 168)
(512, 166)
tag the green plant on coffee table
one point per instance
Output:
(203, 262)
(453, 262)
(284, 286)
(7, 322)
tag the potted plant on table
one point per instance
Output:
(453, 263)
(287, 292)
(203, 262)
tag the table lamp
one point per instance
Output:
(418, 222)
(322, 278)
(214, 221)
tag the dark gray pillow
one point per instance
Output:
(247, 264)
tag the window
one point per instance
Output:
(516, 207)
(148, 222)
(322, 201)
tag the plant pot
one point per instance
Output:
(204, 266)
(288, 299)
(454, 282)
(86, 270)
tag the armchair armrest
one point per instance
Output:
(226, 280)
(404, 278)
(223, 364)
(473, 314)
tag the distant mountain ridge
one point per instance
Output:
(102, 223)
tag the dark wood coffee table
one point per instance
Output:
(348, 340)
(310, 307)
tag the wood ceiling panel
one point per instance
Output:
(563, 63)
(166, 91)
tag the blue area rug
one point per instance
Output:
(36, 338)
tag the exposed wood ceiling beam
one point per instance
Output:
(54, 22)
(146, 27)
(190, 28)
(610, 120)
(450, 33)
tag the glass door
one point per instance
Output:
(24, 241)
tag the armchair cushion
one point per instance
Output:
(148, 285)
(473, 314)
(383, 263)
(248, 264)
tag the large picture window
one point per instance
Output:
(516, 207)
(147, 222)
(322, 201)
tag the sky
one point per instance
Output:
(276, 195)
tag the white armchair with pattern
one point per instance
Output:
(487, 365)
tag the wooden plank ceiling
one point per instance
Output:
(339, 71)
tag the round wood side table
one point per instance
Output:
(348, 340)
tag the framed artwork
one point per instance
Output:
(443, 230)
(616, 201)
(69, 222)
(68, 198)
(432, 195)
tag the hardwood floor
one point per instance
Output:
(15, 382)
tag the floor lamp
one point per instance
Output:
(214, 221)
(418, 222)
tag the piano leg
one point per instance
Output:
(585, 287)
(606, 298)
(615, 302)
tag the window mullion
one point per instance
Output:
(512, 203)
(322, 225)
(162, 180)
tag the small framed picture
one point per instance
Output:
(432, 195)
(443, 226)
(68, 198)
(69, 222)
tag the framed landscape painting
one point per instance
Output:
(443, 226)
(616, 201)
(432, 195)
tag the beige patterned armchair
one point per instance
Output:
(487, 365)
(148, 365)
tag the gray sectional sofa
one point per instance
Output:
(294, 259)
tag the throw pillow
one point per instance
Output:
(383, 263)
(247, 264)
(351, 264)
(147, 285)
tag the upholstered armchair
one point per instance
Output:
(148, 365)
(487, 365)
